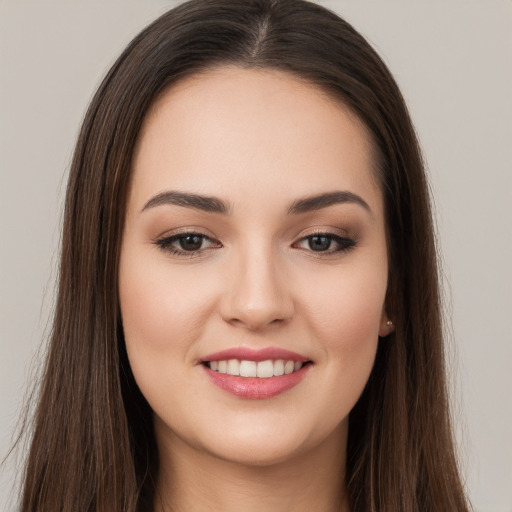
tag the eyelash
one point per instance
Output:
(344, 244)
(167, 244)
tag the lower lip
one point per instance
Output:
(255, 388)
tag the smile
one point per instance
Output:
(256, 374)
(261, 369)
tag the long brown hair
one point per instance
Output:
(93, 447)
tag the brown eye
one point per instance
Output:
(190, 242)
(325, 243)
(187, 244)
(319, 243)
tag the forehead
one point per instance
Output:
(237, 131)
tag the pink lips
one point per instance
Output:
(255, 388)
(251, 354)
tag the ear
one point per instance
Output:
(386, 326)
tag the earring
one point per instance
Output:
(387, 330)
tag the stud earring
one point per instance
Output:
(389, 323)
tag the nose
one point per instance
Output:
(257, 292)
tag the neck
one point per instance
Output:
(193, 481)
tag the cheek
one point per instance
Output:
(164, 311)
(345, 307)
(161, 308)
(348, 328)
(344, 311)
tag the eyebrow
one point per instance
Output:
(214, 205)
(188, 200)
(320, 201)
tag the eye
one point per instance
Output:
(325, 243)
(187, 244)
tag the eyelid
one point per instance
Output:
(326, 231)
(164, 242)
(323, 230)
(186, 230)
(341, 237)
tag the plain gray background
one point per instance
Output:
(453, 61)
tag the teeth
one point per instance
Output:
(233, 367)
(265, 369)
(262, 369)
(279, 367)
(247, 369)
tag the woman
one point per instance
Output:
(248, 310)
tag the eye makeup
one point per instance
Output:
(193, 243)
(187, 244)
(325, 243)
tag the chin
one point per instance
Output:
(273, 444)
(259, 454)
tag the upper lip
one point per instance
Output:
(251, 354)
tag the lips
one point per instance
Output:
(250, 354)
(255, 374)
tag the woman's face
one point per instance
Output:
(254, 232)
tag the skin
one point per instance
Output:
(258, 140)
